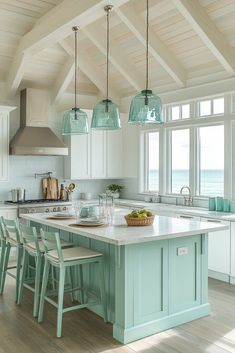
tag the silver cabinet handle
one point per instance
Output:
(213, 220)
(190, 217)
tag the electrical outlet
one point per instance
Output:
(182, 251)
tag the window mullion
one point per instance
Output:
(192, 161)
(162, 161)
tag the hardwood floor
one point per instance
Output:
(84, 332)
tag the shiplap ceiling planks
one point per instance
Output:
(191, 42)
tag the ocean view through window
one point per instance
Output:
(213, 180)
(179, 159)
(211, 160)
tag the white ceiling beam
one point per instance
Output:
(57, 23)
(51, 28)
(16, 73)
(157, 48)
(204, 27)
(98, 37)
(63, 80)
(87, 66)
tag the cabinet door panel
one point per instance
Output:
(149, 280)
(233, 249)
(184, 273)
(219, 250)
(77, 164)
(114, 154)
(98, 154)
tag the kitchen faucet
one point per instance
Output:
(188, 200)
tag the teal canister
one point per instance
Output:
(232, 206)
(226, 205)
(219, 204)
(211, 204)
(84, 212)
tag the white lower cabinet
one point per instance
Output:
(97, 155)
(219, 250)
(232, 253)
(9, 213)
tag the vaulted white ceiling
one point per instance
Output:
(191, 42)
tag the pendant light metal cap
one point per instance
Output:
(146, 108)
(106, 116)
(75, 122)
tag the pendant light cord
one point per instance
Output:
(75, 29)
(107, 67)
(147, 56)
(147, 47)
(75, 81)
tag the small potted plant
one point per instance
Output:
(114, 190)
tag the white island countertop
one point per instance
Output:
(120, 234)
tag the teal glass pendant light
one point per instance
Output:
(146, 107)
(106, 114)
(75, 121)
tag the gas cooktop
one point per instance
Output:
(34, 201)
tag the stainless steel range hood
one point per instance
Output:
(34, 137)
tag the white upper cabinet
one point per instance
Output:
(77, 163)
(97, 155)
(4, 142)
(114, 154)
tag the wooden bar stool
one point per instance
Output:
(63, 259)
(33, 247)
(13, 240)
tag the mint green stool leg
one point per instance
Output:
(102, 289)
(5, 265)
(22, 277)
(37, 285)
(18, 270)
(53, 278)
(43, 290)
(3, 251)
(60, 301)
(81, 283)
(70, 277)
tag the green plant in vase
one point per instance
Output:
(114, 190)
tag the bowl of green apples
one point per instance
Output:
(141, 217)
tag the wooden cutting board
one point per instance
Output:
(50, 188)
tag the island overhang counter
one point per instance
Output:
(156, 277)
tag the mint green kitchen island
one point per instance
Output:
(156, 276)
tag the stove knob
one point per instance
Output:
(64, 208)
(47, 210)
(33, 210)
(58, 209)
(54, 209)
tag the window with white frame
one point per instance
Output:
(192, 152)
(210, 160)
(210, 107)
(179, 112)
(179, 165)
(152, 161)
